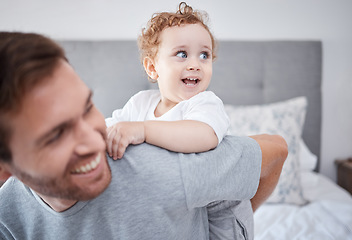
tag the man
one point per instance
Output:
(52, 141)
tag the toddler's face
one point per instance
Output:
(184, 62)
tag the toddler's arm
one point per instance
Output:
(185, 136)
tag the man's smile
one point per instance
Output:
(88, 167)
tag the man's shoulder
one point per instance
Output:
(11, 194)
(146, 155)
(146, 161)
(8, 185)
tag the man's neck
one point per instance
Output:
(58, 205)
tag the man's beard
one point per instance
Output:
(61, 188)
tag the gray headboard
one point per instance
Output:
(246, 72)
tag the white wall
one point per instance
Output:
(326, 20)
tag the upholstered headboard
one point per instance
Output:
(246, 72)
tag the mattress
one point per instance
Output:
(327, 215)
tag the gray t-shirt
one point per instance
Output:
(154, 194)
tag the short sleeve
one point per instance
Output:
(229, 172)
(136, 109)
(208, 108)
(120, 115)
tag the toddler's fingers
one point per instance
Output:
(109, 142)
(114, 149)
(121, 149)
(110, 132)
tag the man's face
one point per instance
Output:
(57, 142)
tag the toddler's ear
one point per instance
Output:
(149, 67)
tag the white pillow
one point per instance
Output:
(285, 118)
(307, 160)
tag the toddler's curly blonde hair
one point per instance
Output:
(149, 40)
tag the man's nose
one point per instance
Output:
(88, 138)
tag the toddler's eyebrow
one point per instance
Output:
(179, 47)
(207, 47)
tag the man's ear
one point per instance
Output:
(149, 67)
(4, 173)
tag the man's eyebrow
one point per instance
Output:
(63, 125)
(46, 136)
(90, 96)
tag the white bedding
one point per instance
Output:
(328, 215)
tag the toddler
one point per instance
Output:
(177, 52)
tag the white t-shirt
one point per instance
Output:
(204, 107)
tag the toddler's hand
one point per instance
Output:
(121, 134)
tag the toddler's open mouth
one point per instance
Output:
(190, 81)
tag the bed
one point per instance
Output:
(266, 86)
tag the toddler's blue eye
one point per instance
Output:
(181, 54)
(204, 55)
